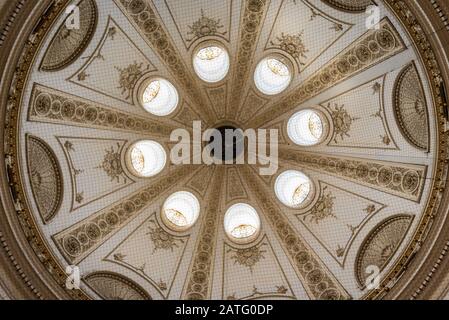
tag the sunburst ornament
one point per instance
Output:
(146, 158)
(205, 26)
(300, 194)
(137, 159)
(242, 223)
(342, 122)
(176, 217)
(243, 231)
(112, 164)
(151, 91)
(293, 45)
(293, 188)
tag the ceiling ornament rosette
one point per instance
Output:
(411, 186)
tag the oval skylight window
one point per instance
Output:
(211, 63)
(293, 188)
(146, 158)
(307, 128)
(180, 211)
(272, 76)
(242, 223)
(159, 97)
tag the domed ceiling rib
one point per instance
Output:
(82, 238)
(298, 251)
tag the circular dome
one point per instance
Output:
(293, 188)
(242, 223)
(73, 106)
(272, 76)
(146, 158)
(159, 97)
(307, 127)
(180, 211)
(211, 63)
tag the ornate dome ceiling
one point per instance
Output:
(87, 182)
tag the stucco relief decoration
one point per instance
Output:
(69, 43)
(248, 257)
(381, 244)
(205, 26)
(354, 6)
(293, 45)
(410, 107)
(342, 121)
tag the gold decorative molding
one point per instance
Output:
(53, 106)
(14, 100)
(370, 124)
(234, 185)
(252, 104)
(202, 180)
(218, 99)
(296, 39)
(105, 155)
(161, 245)
(330, 211)
(45, 177)
(145, 19)
(426, 51)
(43, 254)
(252, 263)
(124, 71)
(207, 25)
